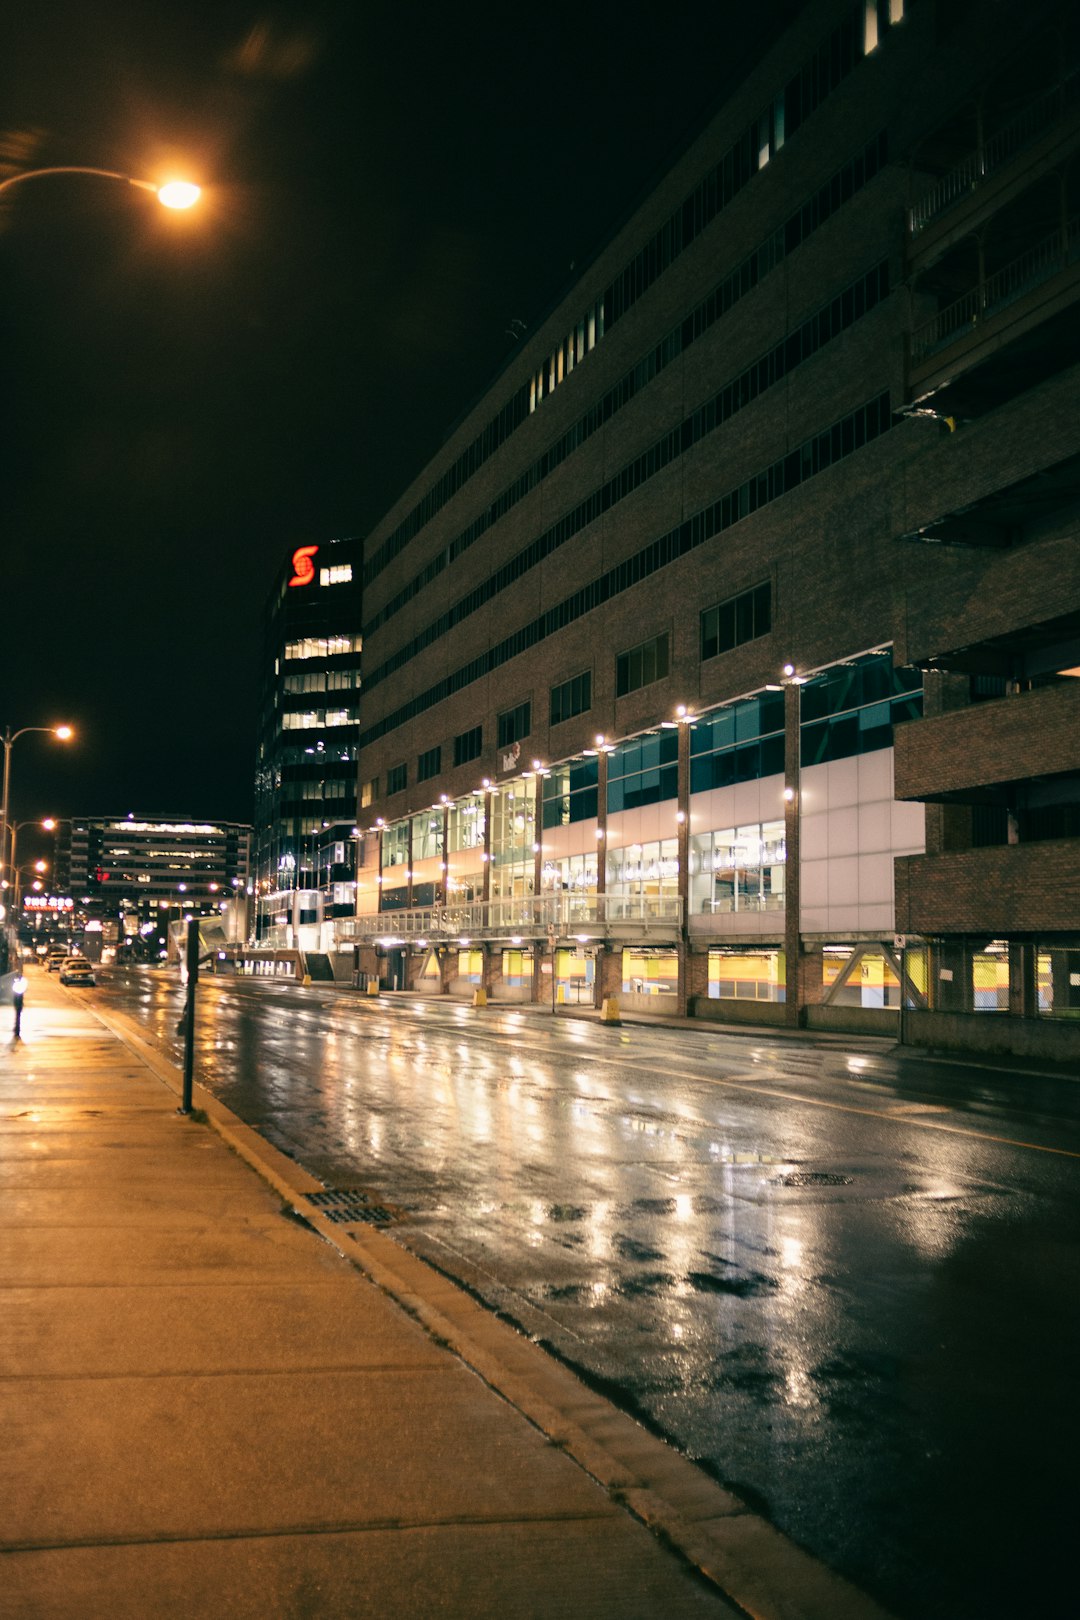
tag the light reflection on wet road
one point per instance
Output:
(834, 1277)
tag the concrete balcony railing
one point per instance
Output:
(1032, 124)
(533, 917)
(997, 893)
(1011, 739)
(986, 303)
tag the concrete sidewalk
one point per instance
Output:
(210, 1407)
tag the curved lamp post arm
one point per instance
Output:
(74, 168)
(9, 739)
(173, 194)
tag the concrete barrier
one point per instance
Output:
(609, 1012)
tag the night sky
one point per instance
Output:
(387, 190)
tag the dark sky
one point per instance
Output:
(186, 397)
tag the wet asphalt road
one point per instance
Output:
(847, 1283)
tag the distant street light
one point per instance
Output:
(173, 194)
(9, 739)
(37, 867)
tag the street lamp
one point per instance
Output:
(39, 868)
(176, 194)
(17, 827)
(9, 739)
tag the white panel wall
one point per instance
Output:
(852, 829)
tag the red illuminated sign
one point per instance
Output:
(303, 567)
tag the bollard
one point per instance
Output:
(609, 1012)
(373, 986)
(479, 997)
(189, 1014)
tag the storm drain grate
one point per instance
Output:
(812, 1178)
(344, 1204)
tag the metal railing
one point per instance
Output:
(533, 916)
(1026, 128)
(1046, 259)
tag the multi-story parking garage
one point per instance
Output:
(725, 656)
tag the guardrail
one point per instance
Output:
(1046, 259)
(602, 915)
(1023, 130)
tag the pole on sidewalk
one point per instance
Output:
(189, 1012)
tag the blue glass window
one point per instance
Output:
(570, 793)
(645, 771)
(853, 708)
(739, 743)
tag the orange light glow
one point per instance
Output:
(179, 194)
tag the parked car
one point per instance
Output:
(77, 970)
(55, 958)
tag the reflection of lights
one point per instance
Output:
(798, 1390)
(791, 1253)
(684, 1206)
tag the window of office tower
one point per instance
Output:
(514, 724)
(468, 745)
(738, 869)
(641, 665)
(322, 646)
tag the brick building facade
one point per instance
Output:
(725, 657)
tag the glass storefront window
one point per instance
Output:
(650, 973)
(395, 845)
(747, 975)
(463, 888)
(466, 824)
(575, 977)
(644, 869)
(738, 869)
(990, 978)
(570, 793)
(516, 969)
(513, 833)
(1058, 974)
(577, 874)
(427, 835)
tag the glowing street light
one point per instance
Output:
(179, 194)
(63, 733)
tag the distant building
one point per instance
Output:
(725, 657)
(132, 875)
(306, 769)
